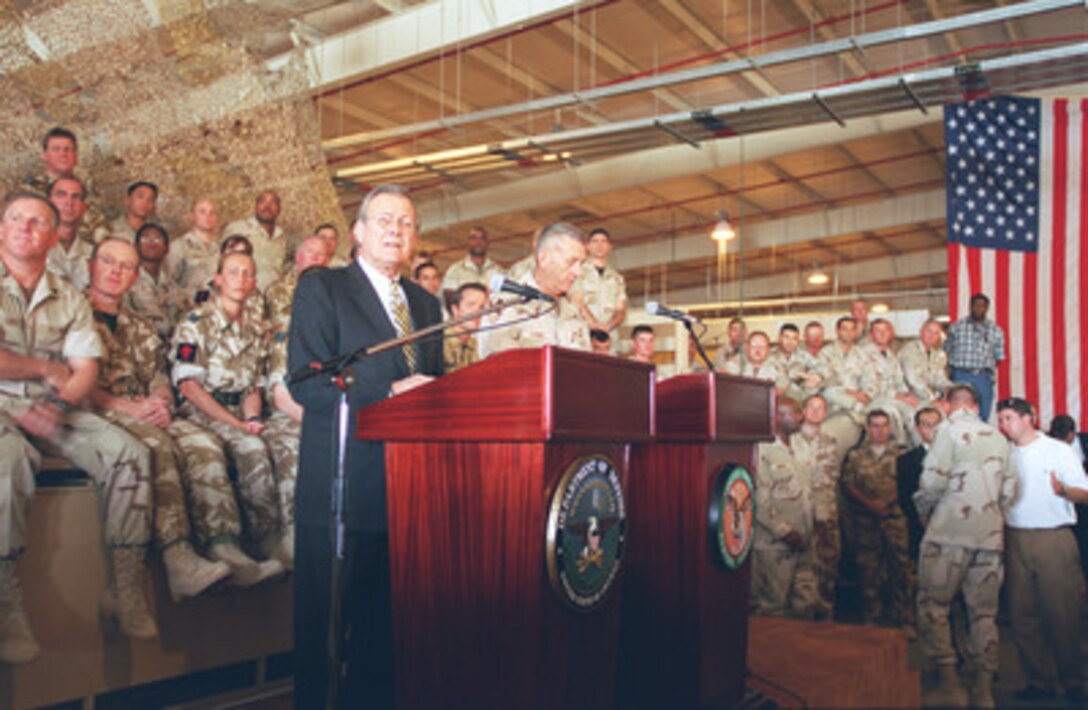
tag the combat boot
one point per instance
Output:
(124, 601)
(245, 571)
(949, 691)
(189, 574)
(281, 548)
(982, 690)
(17, 642)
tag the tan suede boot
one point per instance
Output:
(188, 573)
(245, 571)
(124, 601)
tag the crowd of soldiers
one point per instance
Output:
(159, 367)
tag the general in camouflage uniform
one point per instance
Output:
(967, 484)
(817, 456)
(878, 529)
(783, 579)
(217, 355)
(539, 323)
(48, 329)
(925, 364)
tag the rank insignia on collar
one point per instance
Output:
(186, 352)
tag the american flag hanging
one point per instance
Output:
(1015, 170)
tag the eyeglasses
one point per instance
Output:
(152, 237)
(109, 262)
(385, 221)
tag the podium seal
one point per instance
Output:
(732, 511)
(584, 536)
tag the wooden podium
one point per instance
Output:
(685, 608)
(505, 581)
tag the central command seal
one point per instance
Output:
(585, 532)
(732, 510)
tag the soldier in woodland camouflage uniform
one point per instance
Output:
(882, 380)
(878, 528)
(559, 254)
(218, 354)
(925, 364)
(134, 393)
(966, 486)
(49, 346)
(783, 580)
(816, 454)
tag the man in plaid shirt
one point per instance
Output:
(975, 346)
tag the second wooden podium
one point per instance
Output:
(507, 520)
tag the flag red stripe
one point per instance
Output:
(1029, 329)
(1057, 256)
(1000, 312)
(954, 281)
(974, 270)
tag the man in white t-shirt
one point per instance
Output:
(1044, 588)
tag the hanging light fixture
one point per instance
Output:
(723, 231)
(879, 308)
(818, 277)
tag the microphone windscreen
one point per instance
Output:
(652, 307)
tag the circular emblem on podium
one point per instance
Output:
(585, 532)
(731, 515)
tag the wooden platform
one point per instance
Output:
(227, 641)
(819, 664)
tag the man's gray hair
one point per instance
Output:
(378, 191)
(556, 231)
(13, 197)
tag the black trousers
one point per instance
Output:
(367, 629)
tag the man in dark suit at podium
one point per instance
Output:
(338, 311)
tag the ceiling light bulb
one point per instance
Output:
(818, 277)
(723, 230)
(879, 308)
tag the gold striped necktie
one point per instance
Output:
(402, 321)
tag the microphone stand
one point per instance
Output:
(698, 345)
(339, 371)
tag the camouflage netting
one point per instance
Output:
(163, 90)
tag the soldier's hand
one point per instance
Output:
(409, 383)
(156, 412)
(253, 426)
(55, 374)
(794, 540)
(42, 420)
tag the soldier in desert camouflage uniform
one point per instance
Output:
(600, 291)
(841, 364)
(218, 354)
(798, 373)
(925, 364)
(816, 454)
(134, 393)
(967, 484)
(756, 361)
(462, 350)
(153, 296)
(60, 158)
(882, 381)
(69, 257)
(49, 351)
(193, 258)
(783, 581)
(559, 254)
(878, 528)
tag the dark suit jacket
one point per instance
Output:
(337, 311)
(908, 473)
